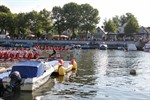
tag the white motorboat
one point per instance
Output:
(103, 46)
(30, 75)
(131, 47)
(85, 46)
(146, 47)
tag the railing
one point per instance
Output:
(62, 41)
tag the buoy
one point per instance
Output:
(73, 62)
(132, 72)
(61, 70)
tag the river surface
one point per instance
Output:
(101, 75)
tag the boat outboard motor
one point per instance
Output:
(1, 88)
(15, 81)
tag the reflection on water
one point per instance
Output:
(101, 75)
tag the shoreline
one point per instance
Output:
(62, 42)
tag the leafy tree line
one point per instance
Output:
(18, 25)
(76, 18)
(130, 22)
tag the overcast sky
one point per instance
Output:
(107, 8)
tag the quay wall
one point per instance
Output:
(62, 42)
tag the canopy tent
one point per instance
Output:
(30, 36)
(60, 36)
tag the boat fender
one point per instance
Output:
(73, 62)
(61, 70)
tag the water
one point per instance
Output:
(101, 75)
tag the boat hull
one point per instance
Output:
(31, 84)
(146, 47)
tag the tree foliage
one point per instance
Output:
(89, 17)
(132, 26)
(75, 17)
(72, 15)
(110, 26)
(4, 9)
(124, 18)
(45, 17)
(58, 19)
(131, 22)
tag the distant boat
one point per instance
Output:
(146, 47)
(85, 46)
(103, 46)
(131, 47)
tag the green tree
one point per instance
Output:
(124, 18)
(45, 17)
(110, 26)
(4, 17)
(10, 24)
(72, 16)
(4, 9)
(131, 27)
(117, 21)
(34, 23)
(21, 24)
(88, 18)
(58, 19)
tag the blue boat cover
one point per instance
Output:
(29, 69)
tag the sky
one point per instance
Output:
(107, 8)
